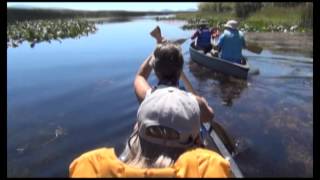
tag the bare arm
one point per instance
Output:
(141, 84)
(194, 35)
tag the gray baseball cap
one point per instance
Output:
(172, 108)
(233, 24)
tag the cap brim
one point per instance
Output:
(174, 143)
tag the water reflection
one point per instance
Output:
(229, 88)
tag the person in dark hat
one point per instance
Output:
(203, 35)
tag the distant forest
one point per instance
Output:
(17, 14)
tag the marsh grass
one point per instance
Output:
(267, 19)
(277, 16)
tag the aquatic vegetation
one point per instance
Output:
(46, 30)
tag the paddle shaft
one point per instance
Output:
(253, 47)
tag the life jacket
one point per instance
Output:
(196, 162)
(204, 38)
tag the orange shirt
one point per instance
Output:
(103, 162)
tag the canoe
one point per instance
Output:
(219, 65)
(212, 141)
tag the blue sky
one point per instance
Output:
(135, 6)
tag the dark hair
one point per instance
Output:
(168, 63)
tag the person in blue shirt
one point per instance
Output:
(203, 35)
(231, 42)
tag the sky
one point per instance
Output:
(135, 6)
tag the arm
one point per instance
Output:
(219, 42)
(206, 112)
(141, 84)
(195, 35)
(215, 32)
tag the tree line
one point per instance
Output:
(245, 9)
(17, 14)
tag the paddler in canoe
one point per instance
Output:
(202, 37)
(230, 43)
(227, 46)
(165, 141)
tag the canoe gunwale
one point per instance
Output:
(221, 148)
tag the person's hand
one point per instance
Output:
(215, 32)
(161, 40)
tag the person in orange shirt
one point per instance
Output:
(165, 141)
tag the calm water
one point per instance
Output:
(68, 98)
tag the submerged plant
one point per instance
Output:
(46, 30)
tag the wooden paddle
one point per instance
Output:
(156, 33)
(253, 47)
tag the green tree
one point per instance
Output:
(307, 15)
(215, 7)
(243, 10)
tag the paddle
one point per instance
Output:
(253, 47)
(180, 41)
(156, 33)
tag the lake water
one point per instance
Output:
(68, 98)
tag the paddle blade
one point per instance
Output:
(156, 32)
(254, 48)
